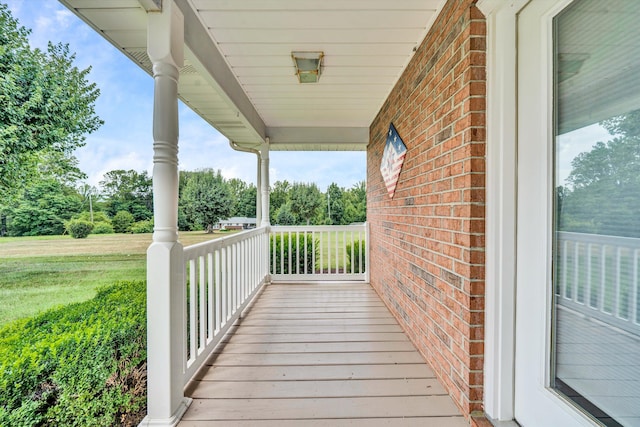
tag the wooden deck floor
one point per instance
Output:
(319, 355)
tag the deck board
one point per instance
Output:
(316, 347)
(309, 389)
(314, 373)
(317, 355)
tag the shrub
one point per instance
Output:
(79, 365)
(34, 221)
(122, 221)
(102, 228)
(283, 243)
(145, 226)
(359, 248)
(79, 229)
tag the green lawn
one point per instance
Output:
(38, 273)
(331, 248)
(329, 252)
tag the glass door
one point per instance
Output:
(596, 229)
(578, 297)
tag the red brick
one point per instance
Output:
(431, 234)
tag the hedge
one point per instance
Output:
(102, 228)
(298, 259)
(145, 226)
(358, 247)
(83, 364)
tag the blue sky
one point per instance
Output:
(126, 102)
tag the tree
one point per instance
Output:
(356, 203)
(128, 190)
(205, 199)
(602, 194)
(88, 193)
(335, 204)
(306, 200)
(244, 198)
(284, 216)
(46, 105)
(43, 209)
(279, 196)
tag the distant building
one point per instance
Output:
(236, 223)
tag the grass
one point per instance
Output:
(331, 247)
(42, 272)
(337, 254)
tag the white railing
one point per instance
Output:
(598, 276)
(221, 278)
(322, 253)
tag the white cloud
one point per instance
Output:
(102, 155)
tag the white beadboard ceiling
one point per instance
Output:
(239, 76)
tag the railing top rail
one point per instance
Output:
(630, 242)
(352, 227)
(204, 247)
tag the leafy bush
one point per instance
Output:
(145, 226)
(295, 243)
(359, 248)
(34, 221)
(122, 222)
(79, 365)
(79, 229)
(102, 228)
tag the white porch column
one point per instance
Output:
(165, 270)
(259, 192)
(264, 182)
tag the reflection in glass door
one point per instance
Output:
(596, 266)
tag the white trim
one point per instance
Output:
(535, 402)
(319, 278)
(501, 214)
(367, 260)
(204, 55)
(501, 207)
(168, 422)
(281, 137)
(258, 177)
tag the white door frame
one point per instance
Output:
(500, 249)
(501, 213)
(536, 403)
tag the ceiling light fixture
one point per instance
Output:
(308, 66)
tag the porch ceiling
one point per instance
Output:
(239, 76)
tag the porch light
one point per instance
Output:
(308, 66)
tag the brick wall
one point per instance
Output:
(427, 243)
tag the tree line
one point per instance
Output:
(123, 202)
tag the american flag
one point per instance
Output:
(392, 159)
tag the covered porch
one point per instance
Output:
(285, 332)
(316, 325)
(460, 245)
